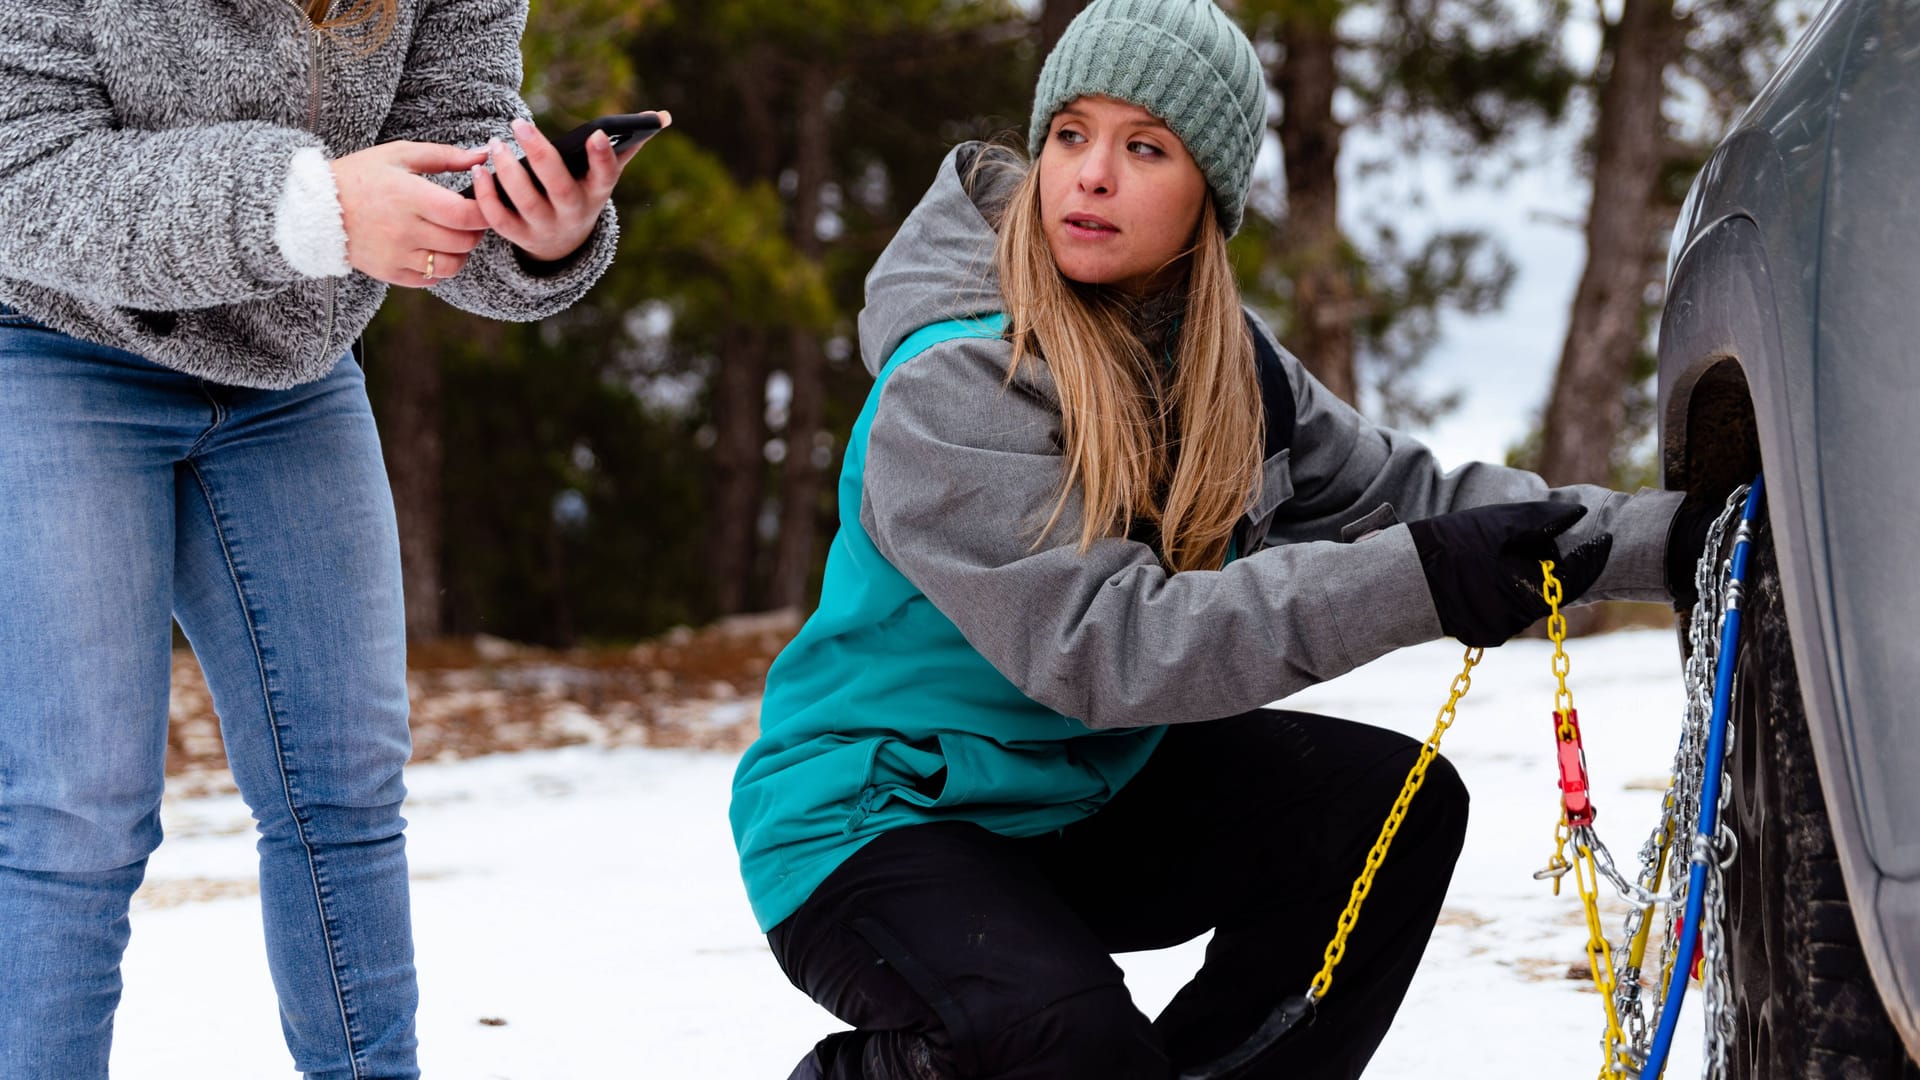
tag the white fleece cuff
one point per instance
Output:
(307, 224)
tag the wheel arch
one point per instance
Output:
(1736, 357)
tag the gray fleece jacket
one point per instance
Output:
(960, 465)
(164, 180)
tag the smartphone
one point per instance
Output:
(623, 129)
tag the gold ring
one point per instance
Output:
(428, 273)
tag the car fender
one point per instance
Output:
(1735, 329)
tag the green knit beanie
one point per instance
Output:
(1185, 62)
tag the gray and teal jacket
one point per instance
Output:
(956, 672)
(164, 179)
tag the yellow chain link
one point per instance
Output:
(1337, 948)
(1550, 591)
(1557, 864)
(1586, 875)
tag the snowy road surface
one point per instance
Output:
(578, 915)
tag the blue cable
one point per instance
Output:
(1709, 801)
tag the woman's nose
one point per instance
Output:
(1096, 174)
(1097, 171)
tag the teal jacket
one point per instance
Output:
(961, 667)
(879, 714)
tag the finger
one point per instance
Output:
(514, 179)
(447, 209)
(486, 196)
(1564, 520)
(426, 234)
(1527, 604)
(626, 155)
(1582, 566)
(501, 218)
(603, 168)
(425, 157)
(563, 191)
(448, 265)
(1545, 520)
(407, 278)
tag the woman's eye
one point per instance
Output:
(1069, 136)
(1143, 149)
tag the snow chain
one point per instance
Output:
(1625, 1058)
(1415, 777)
(1576, 817)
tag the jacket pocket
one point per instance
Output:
(911, 772)
(955, 769)
(1380, 517)
(1276, 487)
(10, 317)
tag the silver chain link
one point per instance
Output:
(1674, 836)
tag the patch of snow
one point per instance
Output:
(578, 914)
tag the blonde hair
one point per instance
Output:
(383, 14)
(1175, 442)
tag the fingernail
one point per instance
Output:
(522, 128)
(600, 139)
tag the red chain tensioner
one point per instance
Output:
(1573, 768)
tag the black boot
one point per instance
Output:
(818, 1065)
(870, 1055)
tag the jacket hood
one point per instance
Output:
(939, 266)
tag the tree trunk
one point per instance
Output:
(1585, 412)
(739, 425)
(806, 411)
(1054, 17)
(1323, 305)
(406, 378)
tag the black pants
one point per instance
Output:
(957, 953)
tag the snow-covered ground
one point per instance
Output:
(578, 914)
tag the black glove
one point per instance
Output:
(1686, 542)
(1483, 566)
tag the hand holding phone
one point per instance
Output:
(550, 206)
(624, 131)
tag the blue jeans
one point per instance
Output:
(262, 522)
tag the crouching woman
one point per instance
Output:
(1092, 519)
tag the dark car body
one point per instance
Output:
(1791, 338)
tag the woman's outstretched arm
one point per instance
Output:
(961, 470)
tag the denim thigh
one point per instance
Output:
(287, 582)
(88, 437)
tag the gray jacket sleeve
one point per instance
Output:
(159, 220)
(961, 471)
(461, 86)
(1350, 475)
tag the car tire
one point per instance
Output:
(1805, 1006)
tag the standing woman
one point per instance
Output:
(1092, 518)
(203, 203)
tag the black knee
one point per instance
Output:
(1445, 797)
(1096, 1034)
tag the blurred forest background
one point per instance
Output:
(664, 453)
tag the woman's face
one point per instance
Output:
(1119, 197)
